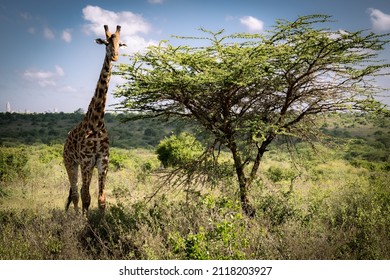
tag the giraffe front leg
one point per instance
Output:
(86, 173)
(102, 169)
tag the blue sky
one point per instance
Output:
(49, 59)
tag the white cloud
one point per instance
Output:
(132, 24)
(252, 23)
(67, 35)
(44, 78)
(137, 43)
(46, 83)
(48, 33)
(37, 75)
(59, 71)
(67, 89)
(380, 21)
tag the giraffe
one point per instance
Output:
(87, 144)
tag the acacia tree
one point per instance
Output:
(248, 89)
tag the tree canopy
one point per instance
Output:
(248, 89)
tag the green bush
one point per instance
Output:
(28, 235)
(278, 208)
(179, 150)
(12, 163)
(278, 174)
(49, 153)
(215, 229)
(117, 160)
(362, 214)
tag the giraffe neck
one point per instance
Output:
(96, 108)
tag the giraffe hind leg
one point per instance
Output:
(72, 170)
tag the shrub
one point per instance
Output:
(12, 163)
(179, 150)
(30, 235)
(49, 153)
(117, 160)
(278, 207)
(215, 229)
(361, 213)
(278, 174)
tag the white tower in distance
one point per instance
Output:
(8, 107)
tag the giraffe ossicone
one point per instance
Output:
(87, 145)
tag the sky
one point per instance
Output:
(50, 62)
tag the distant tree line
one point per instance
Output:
(49, 129)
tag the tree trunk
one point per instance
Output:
(243, 182)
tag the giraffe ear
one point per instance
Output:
(122, 45)
(101, 41)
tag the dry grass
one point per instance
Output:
(334, 211)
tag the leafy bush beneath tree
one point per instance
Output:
(179, 150)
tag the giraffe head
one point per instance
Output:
(112, 42)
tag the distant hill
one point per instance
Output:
(362, 137)
(53, 128)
